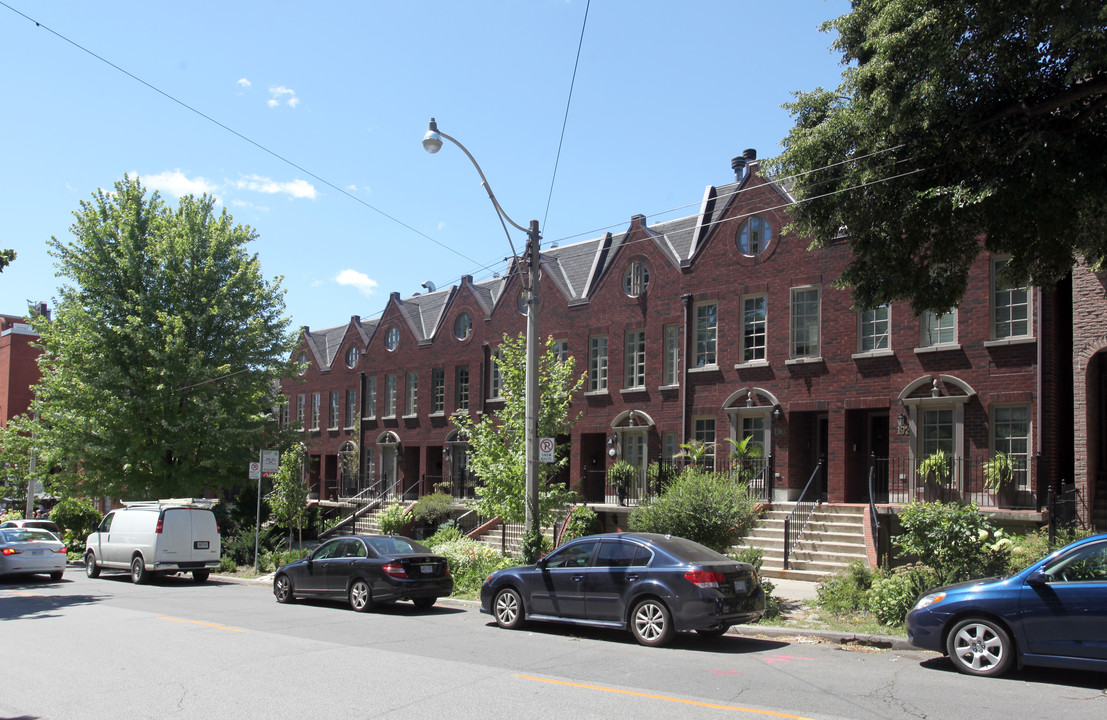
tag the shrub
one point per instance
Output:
(1032, 547)
(582, 521)
(445, 534)
(432, 509)
(393, 519)
(756, 556)
(893, 594)
(470, 563)
(701, 506)
(227, 564)
(844, 593)
(75, 518)
(954, 538)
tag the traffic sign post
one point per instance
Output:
(270, 461)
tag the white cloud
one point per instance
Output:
(279, 93)
(295, 188)
(356, 279)
(243, 82)
(177, 184)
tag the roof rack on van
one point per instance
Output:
(206, 503)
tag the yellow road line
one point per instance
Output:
(651, 696)
(198, 622)
(25, 594)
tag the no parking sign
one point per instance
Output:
(546, 450)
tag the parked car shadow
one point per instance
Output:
(24, 597)
(1087, 679)
(398, 608)
(729, 644)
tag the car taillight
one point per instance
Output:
(10, 551)
(158, 528)
(61, 550)
(705, 578)
(395, 570)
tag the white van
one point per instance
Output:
(156, 536)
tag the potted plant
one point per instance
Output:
(999, 477)
(621, 475)
(935, 471)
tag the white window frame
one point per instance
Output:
(301, 409)
(706, 323)
(764, 234)
(874, 330)
(438, 391)
(390, 395)
(561, 350)
(333, 410)
(463, 385)
(1010, 307)
(704, 430)
(597, 363)
(1020, 457)
(755, 331)
(670, 361)
(411, 393)
(802, 326)
(933, 326)
(634, 359)
(463, 326)
(636, 279)
(369, 407)
(496, 375)
(351, 407)
(316, 409)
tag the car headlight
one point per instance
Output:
(929, 599)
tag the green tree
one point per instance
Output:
(497, 439)
(289, 500)
(955, 119)
(18, 442)
(6, 257)
(159, 366)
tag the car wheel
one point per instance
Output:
(361, 597)
(980, 647)
(713, 632)
(282, 588)
(139, 576)
(55, 576)
(199, 576)
(507, 608)
(651, 623)
(424, 603)
(91, 568)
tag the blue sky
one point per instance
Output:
(328, 103)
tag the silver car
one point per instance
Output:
(26, 551)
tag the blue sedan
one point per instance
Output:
(653, 585)
(1052, 614)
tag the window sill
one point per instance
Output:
(946, 347)
(752, 364)
(596, 393)
(805, 360)
(1028, 340)
(411, 417)
(872, 354)
(332, 428)
(632, 390)
(390, 417)
(349, 428)
(668, 388)
(368, 417)
(438, 413)
(704, 369)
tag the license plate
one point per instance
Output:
(740, 586)
(426, 569)
(201, 545)
(36, 553)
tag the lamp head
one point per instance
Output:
(432, 141)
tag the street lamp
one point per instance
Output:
(432, 143)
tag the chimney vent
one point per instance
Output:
(738, 164)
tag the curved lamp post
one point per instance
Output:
(432, 143)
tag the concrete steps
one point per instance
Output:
(833, 538)
(509, 536)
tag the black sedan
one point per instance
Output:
(653, 585)
(366, 570)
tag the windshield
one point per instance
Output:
(395, 545)
(28, 535)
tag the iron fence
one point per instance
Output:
(898, 481)
(756, 473)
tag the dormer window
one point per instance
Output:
(636, 279)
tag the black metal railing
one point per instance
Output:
(874, 517)
(898, 481)
(757, 474)
(805, 507)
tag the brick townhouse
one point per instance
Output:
(18, 364)
(714, 326)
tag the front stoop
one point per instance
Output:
(833, 538)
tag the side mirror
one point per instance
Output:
(1037, 578)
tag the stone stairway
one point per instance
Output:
(833, 538)
(510, 535)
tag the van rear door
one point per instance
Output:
(205, 537)
(174, 543)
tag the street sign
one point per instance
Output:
(546, 450)
(255, 471)
(270, 461)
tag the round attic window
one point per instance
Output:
(392, 339)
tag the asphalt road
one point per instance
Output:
(89, 649)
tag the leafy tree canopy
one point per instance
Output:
(159, 366)
(497, 439)
(956, 120)
(6, 257)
